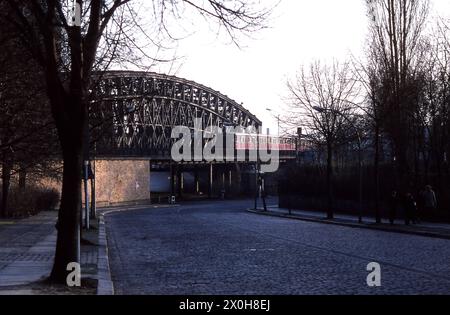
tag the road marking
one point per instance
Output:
(259, 250)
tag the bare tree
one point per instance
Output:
(321, 101)
(27, 133)
(432, 113)
(396, 31)
(371, 74)
(69, 51)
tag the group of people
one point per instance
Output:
(413, 210)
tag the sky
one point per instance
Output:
(300, 31)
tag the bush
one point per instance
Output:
(32, 200)
(47, 200)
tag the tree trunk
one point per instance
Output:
(71, 114)
(22, 179)
(67, 246)
(402, 170)
(329, 182)
(68, 226)
(377, 173)
(6, 182)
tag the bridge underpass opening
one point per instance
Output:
(196, 181)
(139, 181)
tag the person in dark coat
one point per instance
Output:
(410, 209)
(393, 204)
(429, 201)
(420, 204)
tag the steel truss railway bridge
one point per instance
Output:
(131, 118)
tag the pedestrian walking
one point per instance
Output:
(410, 209)
(429, 201)
(420, 204)
(393, 204)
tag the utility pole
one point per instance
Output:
(259, 181)
(75, 25)
(93, 200)
(86, 173)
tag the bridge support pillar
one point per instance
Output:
(210, 181)
(172, 183)
(223, 178)
(223, 189)
(196, 182)
(238, 179)
(179, 181)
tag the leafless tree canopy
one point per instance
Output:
(401, 90)
(397, 28)
(320, 99)
(322, 102)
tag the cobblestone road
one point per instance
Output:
(218, 248)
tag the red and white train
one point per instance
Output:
(245, 141)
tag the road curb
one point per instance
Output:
(351, 225)
(105, 285)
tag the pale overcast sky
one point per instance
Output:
(300, 32)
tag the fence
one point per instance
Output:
(304, 187)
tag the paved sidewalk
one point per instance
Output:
(437, 230)
(27, 249)
(32, 265)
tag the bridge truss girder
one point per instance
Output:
(133, 113)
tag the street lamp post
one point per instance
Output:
(358, 133)
(86, 167)
(360, 220)
(225, 131)
(277, 117)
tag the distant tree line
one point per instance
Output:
(28, 142)
(396, 107)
